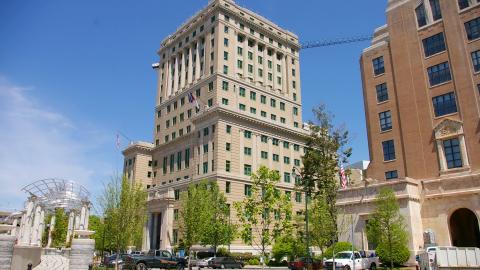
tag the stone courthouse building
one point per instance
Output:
(421, 87)
(228, 101)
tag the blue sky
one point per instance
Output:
(72, 73)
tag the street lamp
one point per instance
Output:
(296, 171)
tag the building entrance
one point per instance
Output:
(464, 229)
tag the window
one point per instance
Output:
(250, 55)
(421, 15)
(444, 104)
(286, 177)
(242, 107)
(210, 102)
(225, 55)
(177, 194)
(205, 131)
(391, 175)
(436, 10)
(175, 214)
(263, 114)
(452, 153)
(205, 167)
(205, 148)
(463, 4)
(225, 42)
(172, 162)
(378, 66)
(247, 191)
(260, 60)
(260, 72)
(296, 147)
(165, 161)
(279, 80)
(275, 141)
(286, 160)
(240, 51)
(476, 60)
(228, 129)
(388, 150)
(227, 166)
(296, 162)
(295, 111)
(439, 73)
(250, 68)
(227, 187)
(282, 106)
(187, 158)
(263, 99)
(225, 69)
(286, 145)
(269, 64)
(227, 146)
(273, 117)
(385, 120)
(253, 110)
(298, 197)
(241, 91)
(275, 157)
(264, 155)
(434, 44)
(273, 103)
(283, 120)
(473, 29)
(288, 194)
(247, 151)
(225, 29)
(253, 95)
(270, 76)
(382, 92)
(247, 134)
(179, 160)
(247, 169)
(239, 64)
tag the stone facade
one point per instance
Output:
(421, 92)
(228, 101)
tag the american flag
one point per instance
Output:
(192, 99)
(343, 177)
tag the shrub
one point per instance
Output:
(253, 261)
(400, 253)
(222, 252)
(242, 256)
(340, 246)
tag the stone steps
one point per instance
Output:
(53, 262)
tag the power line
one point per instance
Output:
(334, 42)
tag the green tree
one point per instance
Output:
(387, 230)
(95, 223)
(59, 233)
(265, 213)
(326, 149)
(194, 213)
(218, 229)
(124, 209)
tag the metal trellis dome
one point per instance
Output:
(58, 193)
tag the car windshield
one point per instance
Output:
(344, 255)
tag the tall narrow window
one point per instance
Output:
(421, 15)
(436, 10)
(382, 92)
(388, 150)
(476, 60)
(247, 169)
(378, 66)
(385, 120)
(453, 154)
(187, 158)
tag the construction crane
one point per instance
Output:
(333, 42)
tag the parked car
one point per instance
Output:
(204, 262)
(344, 260)
(136, 253)
(109, 261)
(154, 259)
(301, 263)
(224, 262)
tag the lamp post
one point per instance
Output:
(296, 171)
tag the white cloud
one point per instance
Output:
(37, 143)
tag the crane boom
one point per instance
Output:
(333, 42)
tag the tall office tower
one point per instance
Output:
(228, 101)
(421, 89)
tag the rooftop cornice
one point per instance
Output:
(138, 147)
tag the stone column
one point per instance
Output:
(81, 253)
(41, 228)
(14, 232)
(190, 65)
(87, 217)
(6, 251)
(26, 227)
(146, 233)
(197, 62)
(441, 156)
(71, 217)
(176, 75)
(182, 73)
(50, 230)
(36, 226)
(463, 150)
(168, 78)
(167, 224)
(81, 221)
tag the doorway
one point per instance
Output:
(464, 229)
